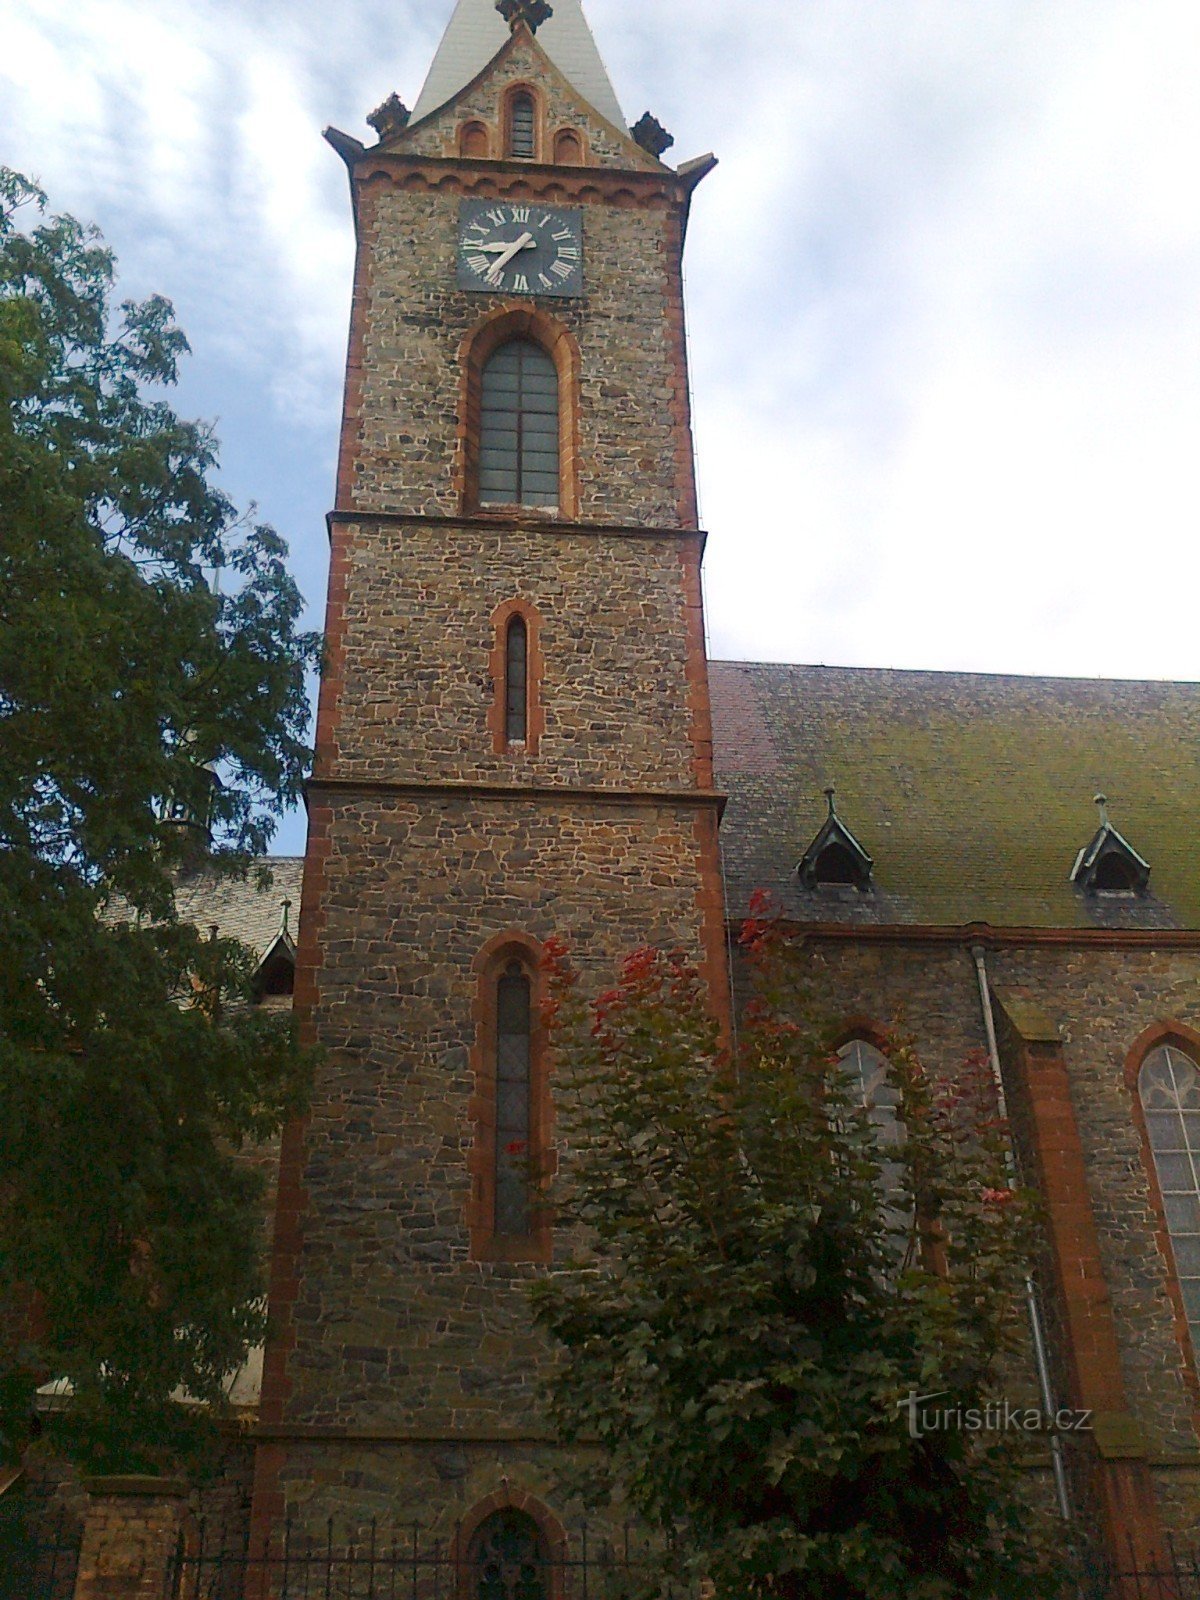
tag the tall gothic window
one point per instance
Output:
(516, 682)
(1169, 1086)
(518, 443)
(521, 126)
(870, 1070)
(514, 1042)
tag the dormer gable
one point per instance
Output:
(1109, 864)
(578, 122)
(835, 856)
(276, 971)
(478, 31)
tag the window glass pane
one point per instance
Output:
(516, 696)
(518, 445)
(881, 1099)
(1169, 1087)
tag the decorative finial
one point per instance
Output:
(285, 905)
(389, 118)
(1102, 801)
(652, 136)
(531, 12)
(829, 794)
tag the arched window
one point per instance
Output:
(508, 1559)
(871, 1071)
(514, 1059)
(1169, 1087)
(516, 682)
(518, 435)
(473, 140)
(568, 148)
(521, 126)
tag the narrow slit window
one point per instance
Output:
(1169, 1086)
(521, 126)
(518, 436)
(514, 1049)
(516, 682)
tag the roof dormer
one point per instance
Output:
(1110, 864)
(835, 856)
(276, 973)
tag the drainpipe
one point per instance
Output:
(1037, 1331)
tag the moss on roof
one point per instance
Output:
(973, 793)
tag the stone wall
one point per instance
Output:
(406, 433)
(419, 637)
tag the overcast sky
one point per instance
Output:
(943, 289)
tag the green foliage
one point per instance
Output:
(129, 1248)
(753, 1298)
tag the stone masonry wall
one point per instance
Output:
(1101, 1000)
(561, 107)
(395, 1326)
(419, 638)
(416, 319)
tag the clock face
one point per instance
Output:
(519, 249)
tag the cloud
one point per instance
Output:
(942, 287)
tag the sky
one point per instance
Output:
(943, 290)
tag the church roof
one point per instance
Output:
(971, 791)
(240, 908)
(476, 32)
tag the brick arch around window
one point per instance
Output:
(498, 720)
(487, 1243)
(570, 148)
(511, 322)
(1186, 1040)
(475, 140)
(550, 1528)
(522, 135)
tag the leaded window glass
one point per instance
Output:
(518, 444)
(516, 681)
(1169, 1085)
(872, 1072)
(514, 1043)
(508, 1559)
(520, 126)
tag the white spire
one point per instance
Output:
(477, 31)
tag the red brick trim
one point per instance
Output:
(350, 438)
(508, 179)
(1187, 1041)
(535, 718)
(538, 96)
(466, 130)
(509, 1499)
(519, 320)
(585, 152)
(1035, 1071)
(486, 1244)
(528, 519)
(864, 1028)
(996, 938)
(681, 404)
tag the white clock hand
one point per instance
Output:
(501, 261)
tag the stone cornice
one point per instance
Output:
(982, 933)
(521, 180)
(517, 522)
(541, 794)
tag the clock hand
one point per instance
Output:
(501, 261)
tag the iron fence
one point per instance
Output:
(384, 1562)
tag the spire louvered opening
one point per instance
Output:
(518, 446)
(521, 127)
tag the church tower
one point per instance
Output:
(513, 742)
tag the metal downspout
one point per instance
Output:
(1049, 1406)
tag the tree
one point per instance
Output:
(758, 1288)
(147, 714)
